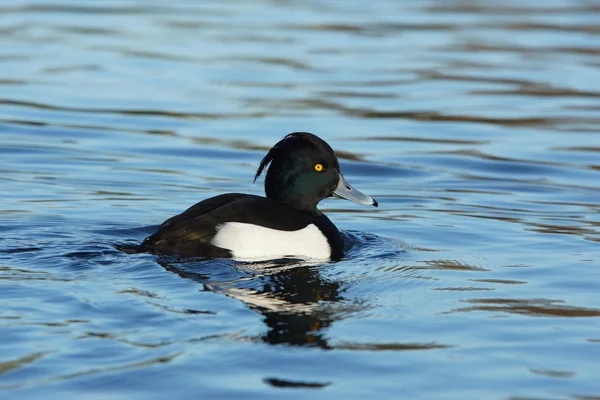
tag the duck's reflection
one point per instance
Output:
(293, 297)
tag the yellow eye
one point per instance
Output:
(318, 167)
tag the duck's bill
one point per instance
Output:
(345, 191)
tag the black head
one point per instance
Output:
(304, 170)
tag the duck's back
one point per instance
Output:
(245, 227)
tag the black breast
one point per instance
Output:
(332, 234)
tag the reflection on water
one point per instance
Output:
(474, 123)
(296, 302)
(533, 307)
(290, 297)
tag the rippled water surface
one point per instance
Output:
(476, 124)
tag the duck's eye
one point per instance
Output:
(318, 167)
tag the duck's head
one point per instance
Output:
(304, 170)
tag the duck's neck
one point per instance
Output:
(298, 203)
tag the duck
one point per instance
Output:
(301, 170)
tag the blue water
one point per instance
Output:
(475, 124)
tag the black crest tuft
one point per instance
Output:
(293, 141)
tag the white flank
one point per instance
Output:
(249, 242)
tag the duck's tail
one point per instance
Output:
(130, 249)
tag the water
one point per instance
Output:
(475, 125)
